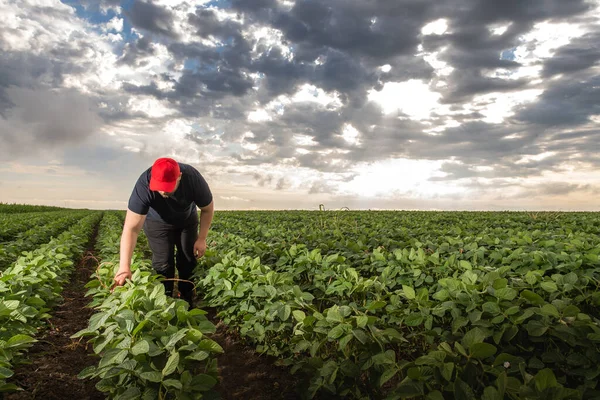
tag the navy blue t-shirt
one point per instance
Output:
(180, 206)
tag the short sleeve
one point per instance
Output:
(202, 194)
(140, 199)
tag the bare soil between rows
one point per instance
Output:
(56, 359)
(246, 374)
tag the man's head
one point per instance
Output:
(165, 176)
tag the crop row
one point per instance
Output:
(150, 345)
(31, 287)
(36, 235)
(12, 225)
(13, 208)
(498, 317)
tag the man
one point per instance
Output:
(164, 202)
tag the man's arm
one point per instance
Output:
(131, 229)
(206, 217)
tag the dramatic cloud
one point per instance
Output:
(402, 103)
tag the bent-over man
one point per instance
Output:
(163, 203)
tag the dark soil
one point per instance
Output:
(245, 374)
(56, 359)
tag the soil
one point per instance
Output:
(246, 374)
(56, 359)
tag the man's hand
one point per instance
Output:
(199, 248)
(120, 277)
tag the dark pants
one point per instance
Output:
(163, 238)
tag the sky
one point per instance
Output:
(283, 104)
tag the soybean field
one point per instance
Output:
(307, 304)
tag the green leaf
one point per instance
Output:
(549, 287)
(435, 395)
(376, 305)
(441, 295)
(210, 346)
(550, 310)
(459, 348)
(491, 393)
(140, 327)
(129, 394)
(491, 307)
(570, 311)
(536, 328)
(545, 379)
(285, 312)
(19, 340)
(141, 347)
(483, 350)
(500, 283)
(333, 315)
(203, 381)
(199, 355)
(532, 297)
(176, 337)
(387, 375)
(462, 391)
(171, 365)
(409, 389)
(414, 319)
(512, 310)
(409, 292)
(336, 332)
(458, 323)
(345, 340)
(361, 321)
(153, 376)
(447, 370)
(174, 383)
(506, 293)
(360, 335)
(299, 315)
(475, 335)
(5, 373)
(464, 264)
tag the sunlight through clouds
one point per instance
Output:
(324, 101)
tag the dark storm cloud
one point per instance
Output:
(152, 18)
(582, 53)
(473, 50)
(569, 102)
(20, 69)
(350, 39)
(380, 30)
(463, 84)
(206, 23)
(212, 83)
(137, 53)
(38, 120)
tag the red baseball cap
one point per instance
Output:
(164, 174)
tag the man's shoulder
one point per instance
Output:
(190, 171)
(144, 178)
(186, 167)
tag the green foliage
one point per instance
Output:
(41, 230)
(149, 344)
(31, 287)
(415, 304)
